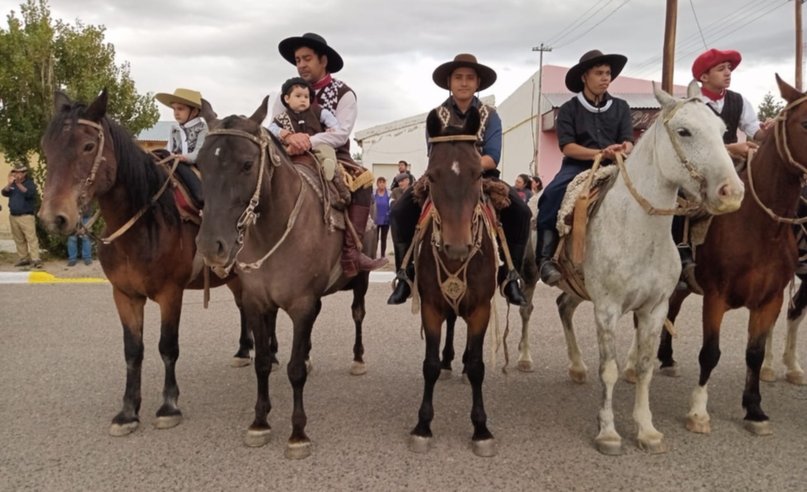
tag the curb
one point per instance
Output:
(47, 278)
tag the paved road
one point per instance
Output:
(62, 374)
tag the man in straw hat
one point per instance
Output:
(315, 62)
(463, 77)
(21, 193)
(590, 123)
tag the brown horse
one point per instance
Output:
(748, 259)
(456, 268)
(90, 157)
(260, 208)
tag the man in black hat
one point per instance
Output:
(464, 77)
(21, 193)
(590, 123)
(315, 62)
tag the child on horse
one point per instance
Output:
(187, 136)
(303, 116)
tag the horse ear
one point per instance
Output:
(61, 102)
(260, 114)
(472, 122)
(210, 116)
(693, 89)
(662, 97)
(97, 109)
(434, 127)
(788, 92)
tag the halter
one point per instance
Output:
(249, 217)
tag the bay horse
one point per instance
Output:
(747, 260)
(455, 268)
(631, 262)
(261, 208)
(91, 157)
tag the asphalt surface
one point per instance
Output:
(62, 374)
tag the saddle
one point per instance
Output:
(189, 208)
(334, 194)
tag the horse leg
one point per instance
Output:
(630, 374)
(648, 324)
(566, 307)
(524, 357)
(262, 327)
(270, 321)
(714, 307)
(448, 348)
(608, 440)
(303, 316)
(794, 374)
(421, 435)
(170, 301)
(483, 442)
(767, 373)
(760, 323)
(357, 309)
(130, 311)
(245, 342)
(665, 350)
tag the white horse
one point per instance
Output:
(631, 262)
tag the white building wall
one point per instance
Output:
(382, 151)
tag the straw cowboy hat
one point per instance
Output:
(487, 76)
(288, 46)
(574, 81)
(709, 59)
(19, 167)
(188, 97)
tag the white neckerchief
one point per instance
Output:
(589, 107)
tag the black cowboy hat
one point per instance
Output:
(288, 46)
(487, 76)
(590, 59)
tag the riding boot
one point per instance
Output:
(545, 252)
(510, 280)
(404, 275)
(687, 280)
(353, 260)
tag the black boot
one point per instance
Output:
(509, 280)
(545, 251)
(687, 280)
(402, 291)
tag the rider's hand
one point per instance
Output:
(298, 143)
(740, 149)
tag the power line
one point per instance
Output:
(602, 20)
(697, 23)
(577, 22)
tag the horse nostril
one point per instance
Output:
(60, 222)
(725, 191)
(219, 248)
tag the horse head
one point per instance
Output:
(233, 161)
(791, 131)
(455, 180)
(693, 153)
(80, 161)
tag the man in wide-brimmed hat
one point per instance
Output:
(21, 193)
(463, 77)
(316, 61)
(590, 123)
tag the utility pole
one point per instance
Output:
(668, 63)
(542, 48)
(799, 44)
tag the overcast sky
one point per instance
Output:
(228, 50)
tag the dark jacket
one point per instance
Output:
(19, 202)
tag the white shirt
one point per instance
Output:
(749, 123)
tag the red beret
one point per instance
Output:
(713, 57)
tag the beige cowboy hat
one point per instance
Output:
(288, 46)
(19, 167)
(187, 97)
(487, 76)
(574, 81)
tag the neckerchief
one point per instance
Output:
(324, 81)
(712, 95)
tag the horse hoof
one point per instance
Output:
(240, 361)
(120, 430)
(445, 374)
(298, 450)
(767, 374)
(609, 446)
(578, 376)
(669, 371)
(525, 366)
(419, 444)
(758, 428)
(485, 448)
(630, 376)
(698, 425)
(167, 421)
(796, 377)
(653, 446)
(256, 438)
(358, 368)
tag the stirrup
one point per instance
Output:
(401, 288)
(513, 276)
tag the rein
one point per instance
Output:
(85, 229)
(249, 217)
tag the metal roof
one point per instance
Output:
(158, 132)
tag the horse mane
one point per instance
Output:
(135, 166)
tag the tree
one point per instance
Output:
(769, 107)
(38, 56)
